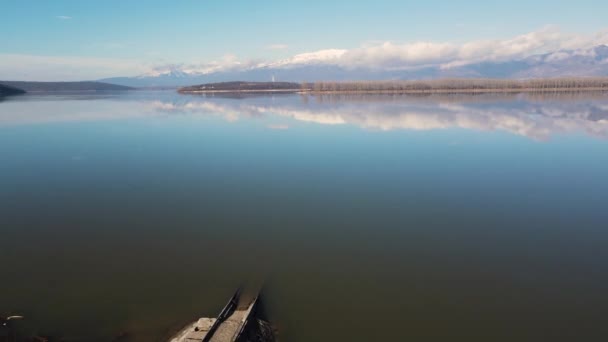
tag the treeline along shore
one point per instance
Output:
(570, 84)
(240, 86)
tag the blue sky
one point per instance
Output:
(193, 31)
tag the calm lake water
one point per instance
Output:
(370, 218)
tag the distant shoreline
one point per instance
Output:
(447, 86)
(59, 87)
(291, 91)
(405, 92)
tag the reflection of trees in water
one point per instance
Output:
(459, 98)
(464, 85)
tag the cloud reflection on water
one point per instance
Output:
(538, 117)
(535, 117)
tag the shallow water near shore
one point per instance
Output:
(368, 217)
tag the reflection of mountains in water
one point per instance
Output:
(537, 116)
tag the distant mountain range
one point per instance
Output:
(580, 62)
(62, 86)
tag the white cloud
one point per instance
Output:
(227, 62)
(377, 55)
(63, 17)
(388, 55)
(230, 62)
(329, 56)
(277, 47)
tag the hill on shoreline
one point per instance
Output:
(8, 90)
(241, 86)
(64, 86)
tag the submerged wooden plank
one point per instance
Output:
(195, 332)
(227, 327)
(230, 329)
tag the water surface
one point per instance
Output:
(423, 218)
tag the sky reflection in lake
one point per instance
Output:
(478, 218)
(535, 116)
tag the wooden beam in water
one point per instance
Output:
(229, 325)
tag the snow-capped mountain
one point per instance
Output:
(328, 65)
(311, 58)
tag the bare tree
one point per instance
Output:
(465, 85)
